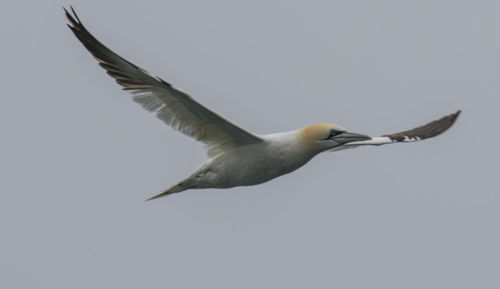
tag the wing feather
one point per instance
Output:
(172, 106)
(426, 131)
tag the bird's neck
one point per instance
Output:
(291, 142)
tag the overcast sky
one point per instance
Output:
(78, 156)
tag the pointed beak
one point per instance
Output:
(347, 137)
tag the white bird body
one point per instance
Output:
(278, 154)
(236, 157)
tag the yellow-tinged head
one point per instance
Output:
(319, 131)
(323, 136)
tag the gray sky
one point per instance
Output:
(78, 157)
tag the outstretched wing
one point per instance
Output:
(429, 130)
(171, 105)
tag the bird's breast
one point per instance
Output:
(251, 165)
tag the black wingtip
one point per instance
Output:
(428, 130)
(453, 117)
(73, 19)
(74, 13)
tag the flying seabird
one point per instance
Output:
(236, 157)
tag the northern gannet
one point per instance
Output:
(236, 157)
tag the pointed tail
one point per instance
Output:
(174, 189)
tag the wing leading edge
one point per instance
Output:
(171, 105)
(426, 131)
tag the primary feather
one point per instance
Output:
(171, 105)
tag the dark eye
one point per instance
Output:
(334, 133)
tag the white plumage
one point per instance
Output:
(236, 157)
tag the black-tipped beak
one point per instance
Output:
(347, 137)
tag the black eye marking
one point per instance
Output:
(333, 133)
